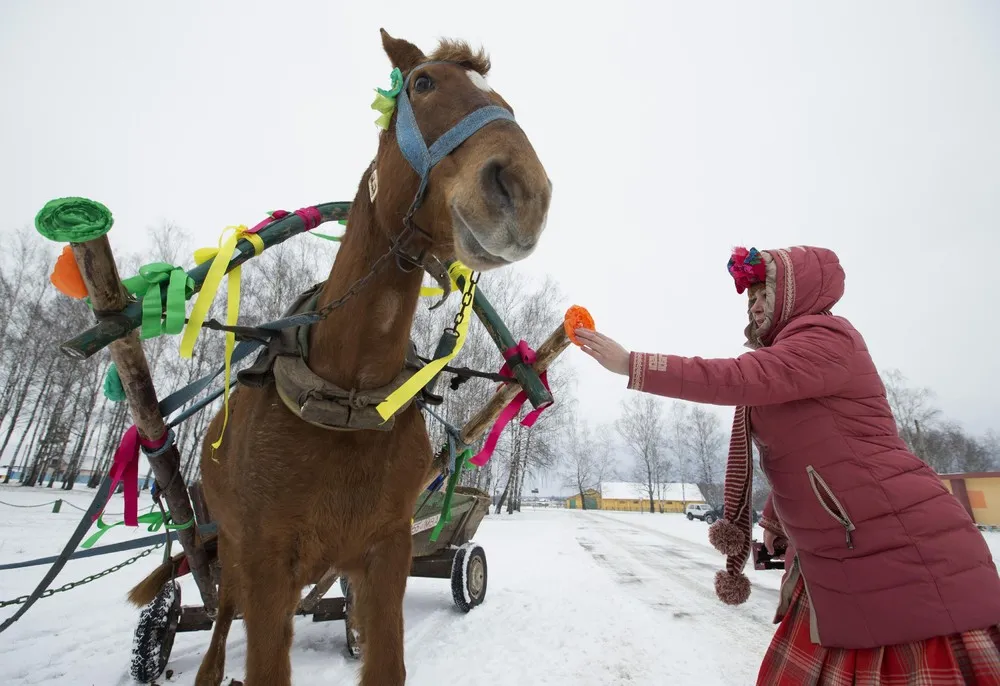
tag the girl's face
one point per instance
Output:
(757, 299)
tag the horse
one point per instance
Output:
(454, 178)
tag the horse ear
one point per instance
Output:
(402, 54)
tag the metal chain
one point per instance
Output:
(85, 580)
(363, 281)
(466, 303)
(24, 507)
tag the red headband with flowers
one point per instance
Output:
(747, 268)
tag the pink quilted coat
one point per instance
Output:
(886, 553)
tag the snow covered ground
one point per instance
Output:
(574, 598)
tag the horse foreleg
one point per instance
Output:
(379, 610)
(269, 601)
(213, 664)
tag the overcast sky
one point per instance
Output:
(671, 133)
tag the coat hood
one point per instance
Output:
(800, 281)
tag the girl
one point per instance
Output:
(887, 579)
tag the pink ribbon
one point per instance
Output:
(310, 216)
(514, 406)
(125, 469)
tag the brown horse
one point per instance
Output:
(293, 500)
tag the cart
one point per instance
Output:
(454, 556)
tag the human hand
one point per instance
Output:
(610, 354)
(770, 539)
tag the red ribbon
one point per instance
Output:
(125, 470)
(528, 356)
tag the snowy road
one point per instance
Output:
(573, 598)
(675, 578)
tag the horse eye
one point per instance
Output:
(423, 84)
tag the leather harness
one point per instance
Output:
(285, 363)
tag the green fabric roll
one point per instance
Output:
(73, 220)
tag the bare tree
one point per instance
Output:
(587, 460)
(705, 442)
(913, 409)
(641, 428)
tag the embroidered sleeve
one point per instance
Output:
(642, 366)
(812, 359)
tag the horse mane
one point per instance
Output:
(461, 52)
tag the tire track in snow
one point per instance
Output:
(674, 578)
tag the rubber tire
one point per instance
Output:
(710, 518)
(690, 517)
(154, 635)
(468, 593)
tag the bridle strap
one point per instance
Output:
(422, 159)
(411, 140)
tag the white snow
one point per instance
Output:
(573, 598)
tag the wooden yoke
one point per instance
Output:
(109, 298)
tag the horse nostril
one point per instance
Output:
(498, 183)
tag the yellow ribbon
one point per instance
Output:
(221, 257)
(404, 393)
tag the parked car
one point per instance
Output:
(700, 511)
(709, 514)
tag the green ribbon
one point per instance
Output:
(153, 520)
(73, 220)
(385, 100)
(336, 239)
(149, 285)
(452, 482)
(113, 389)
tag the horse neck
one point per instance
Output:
(363, 343)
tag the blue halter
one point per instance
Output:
(411, 141)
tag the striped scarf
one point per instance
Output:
(732, 534)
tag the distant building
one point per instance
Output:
(979, 494)
(626, 496)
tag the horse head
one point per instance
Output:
(453, 161)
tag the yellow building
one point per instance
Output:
(979, 493)
(634, 497)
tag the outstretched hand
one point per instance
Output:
(610, 354)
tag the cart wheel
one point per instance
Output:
(154, 636)
(350, 631)
(468, 576)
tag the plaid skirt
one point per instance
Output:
(968, 659)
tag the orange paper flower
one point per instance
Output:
(66, 275)
(577, 317)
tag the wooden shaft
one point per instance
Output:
(481, 422)
(94, 339)
(108, 296)
(526, 377)
(308, 604)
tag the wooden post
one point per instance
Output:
(108, 297)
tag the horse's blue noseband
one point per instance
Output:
(411, 141)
